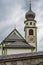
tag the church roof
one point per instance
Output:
(30, 14)
(18, 44)
(16, 41)
(13, 36)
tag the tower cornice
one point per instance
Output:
(29, 20)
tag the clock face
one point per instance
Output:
(32, 39)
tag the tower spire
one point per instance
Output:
(30, 13)
(30, 6)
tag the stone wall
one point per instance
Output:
(24, 62)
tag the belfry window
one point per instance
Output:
(30, 23)
(30, 32)
(34, 23)
(26, 23)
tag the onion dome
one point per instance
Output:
(30, 13)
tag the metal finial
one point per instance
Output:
(30, 5)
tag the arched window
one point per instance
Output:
(30, 32)
(30, 23)
(26, 23)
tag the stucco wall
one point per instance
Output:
(17, 51)
(32, 24)
(0, 51)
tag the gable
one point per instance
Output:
(17, 33)
(16, 41)
(14, 35)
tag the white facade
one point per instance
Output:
(31, 39)
(33, 22)
(0, 51)
(17, 51)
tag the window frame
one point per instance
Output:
(31, 32)
(30, 23)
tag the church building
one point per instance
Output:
(17, 50)
(14, 43)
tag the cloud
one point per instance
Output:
(9, 20)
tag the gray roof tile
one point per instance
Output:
(18, 44)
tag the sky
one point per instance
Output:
(12, 14)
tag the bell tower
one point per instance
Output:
(30, 28)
